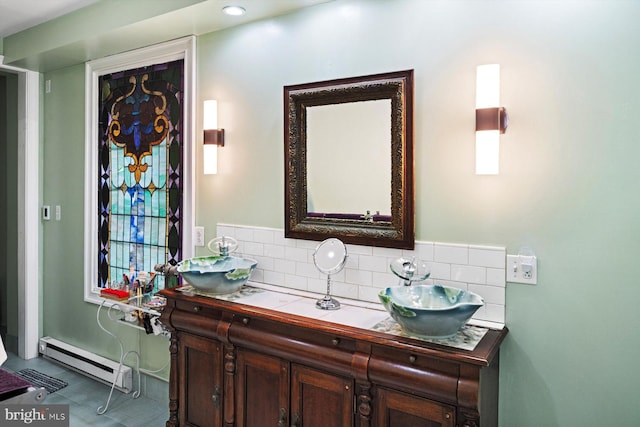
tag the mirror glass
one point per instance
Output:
(349, 160)
(329, 257)
(356, 130)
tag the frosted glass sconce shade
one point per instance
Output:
(491, 119)
(213, 137)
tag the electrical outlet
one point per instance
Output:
(198, 236)
(522, 269)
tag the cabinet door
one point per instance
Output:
(262, 390)
(319, 399)
(396, 409)
(200, 382)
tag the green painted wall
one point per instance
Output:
(566, 188)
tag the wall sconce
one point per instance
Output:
(213, 137)
(491, 119)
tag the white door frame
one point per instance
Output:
(28, 211)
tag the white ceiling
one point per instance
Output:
(17, 15)
(177, 19)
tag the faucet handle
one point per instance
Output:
(223, 245)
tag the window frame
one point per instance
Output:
(183, 48)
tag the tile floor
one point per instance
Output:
(84, 396)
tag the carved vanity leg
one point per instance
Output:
(363, 404)
(229, 383)
(467, 419)
(173, 383)
(359, 370)
(468, 396)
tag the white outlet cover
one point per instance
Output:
(517, 274)
(198, 236)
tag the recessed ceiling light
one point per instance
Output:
(234, 10)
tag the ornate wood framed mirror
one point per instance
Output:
(349, 160)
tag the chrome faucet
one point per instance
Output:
(410, 268)
(409, 271)
(223, 247)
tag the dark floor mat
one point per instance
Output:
(11, 384)
(38, 379)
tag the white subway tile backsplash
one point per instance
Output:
(362, 277)
(386, 252)
(318, 286)
(263, 235)
(353, 261)
(486, 257)
(307, 244)
(243, 233)
(368, 294)
(282, 265)
(296, 254)
(289, 263)
(424, 251)
(295, 282)
(359, 250)
(491, 313)
(496, 277)
(451, 253)
(373, 263)
(468, 273)
(274, 251)
(307, 270)
(269, 277)
(345, 290)
(490, 294)
(383, 280)
(251, 248)
(258, 276)
(440, 270)
(265, 263)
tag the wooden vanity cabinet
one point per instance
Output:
(237, 365)
(398, 409)
(201, 378)
(262, 390)
(273, 392)
(320, 399)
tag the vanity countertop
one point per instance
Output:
(368, 318)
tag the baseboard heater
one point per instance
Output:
(84, 362)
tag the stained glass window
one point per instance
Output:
(140, 160)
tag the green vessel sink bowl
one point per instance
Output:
(430, 311)
(218, 275)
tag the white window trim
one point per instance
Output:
(183, 48)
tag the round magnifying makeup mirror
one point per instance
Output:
(329, 258)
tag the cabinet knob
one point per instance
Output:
(295, 422)
(196, 308)
(412, 359)
(215, 397)
(335, 341)
(245, 320)
(448, 416)
(282, 421)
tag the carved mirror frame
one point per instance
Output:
(399, 232)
